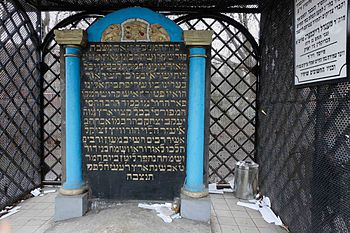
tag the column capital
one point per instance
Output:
(77, 37)
(198, 37)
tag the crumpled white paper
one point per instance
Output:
(36, 192)
(10, 212)
(264, 207)
(212, 188)
(164, 211)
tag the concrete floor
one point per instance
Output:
(228, 217)
(35, 216)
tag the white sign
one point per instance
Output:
(320, 40)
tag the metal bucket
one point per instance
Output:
(246, 180)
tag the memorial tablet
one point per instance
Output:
(321, 37)
(134, 111)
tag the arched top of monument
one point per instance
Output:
(133, 25)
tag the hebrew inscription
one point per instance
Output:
(134, 111)
(321, 34)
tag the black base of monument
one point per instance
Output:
(111, 186)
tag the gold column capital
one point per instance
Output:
(77, 37)
(198, 37)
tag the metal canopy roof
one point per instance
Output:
(160, 5)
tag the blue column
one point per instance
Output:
(74, 177)
(195, 129)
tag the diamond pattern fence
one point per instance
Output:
(157, 5)
(20, 112)
(52, 97)
(303, 136)
(233, 86)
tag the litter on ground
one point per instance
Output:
(9, 211)
(264, 207)
(164, 211)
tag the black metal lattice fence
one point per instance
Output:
(233, 93)
(233, 82)
(20, 121)
(52, 96)
(157, 5)
(303, 136)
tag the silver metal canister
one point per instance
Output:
(246, 180)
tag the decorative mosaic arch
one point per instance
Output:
(123, 26)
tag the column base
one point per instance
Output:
(201, 194)
(72, 192)
(197, 209)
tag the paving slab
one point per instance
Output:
(228, 217)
